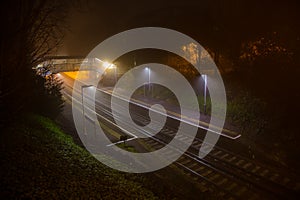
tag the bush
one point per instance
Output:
(48, 99)
(247, 113)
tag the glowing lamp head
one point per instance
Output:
(111, 66)
(106, 64)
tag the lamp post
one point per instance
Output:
(149, 79)
(82, 98)
(116, 77)
(204, 76)
(112, 66)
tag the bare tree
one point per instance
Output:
(31, 30)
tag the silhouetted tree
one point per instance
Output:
(47, 97)
(30, 30)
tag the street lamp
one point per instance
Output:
(83, 113)
(204, 76)
(112, 66)
(149, 76)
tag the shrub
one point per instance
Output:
(48, 99)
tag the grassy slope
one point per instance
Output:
(39, 160)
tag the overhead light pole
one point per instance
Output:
(116, 76)
(114, 67)
(110, 66)
(204, 76)
(82, 99)
(149, 79)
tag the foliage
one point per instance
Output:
(48, 97)
(268, 46)
(182, 66)
(247, 113)
(43, 162)
(32, 29)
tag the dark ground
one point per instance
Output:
(39, 161)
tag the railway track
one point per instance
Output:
(229, 175)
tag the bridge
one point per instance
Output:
(56, 64)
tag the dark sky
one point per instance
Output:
(213, 23)
(95, 21)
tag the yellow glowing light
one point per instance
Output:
(111, 66)
(191, 52)
(108, 65)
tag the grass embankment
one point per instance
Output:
(38, 160)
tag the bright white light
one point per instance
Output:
(147, 68)
(106, 64)
(111, 66)
(58, 74)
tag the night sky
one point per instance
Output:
(213, 23)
